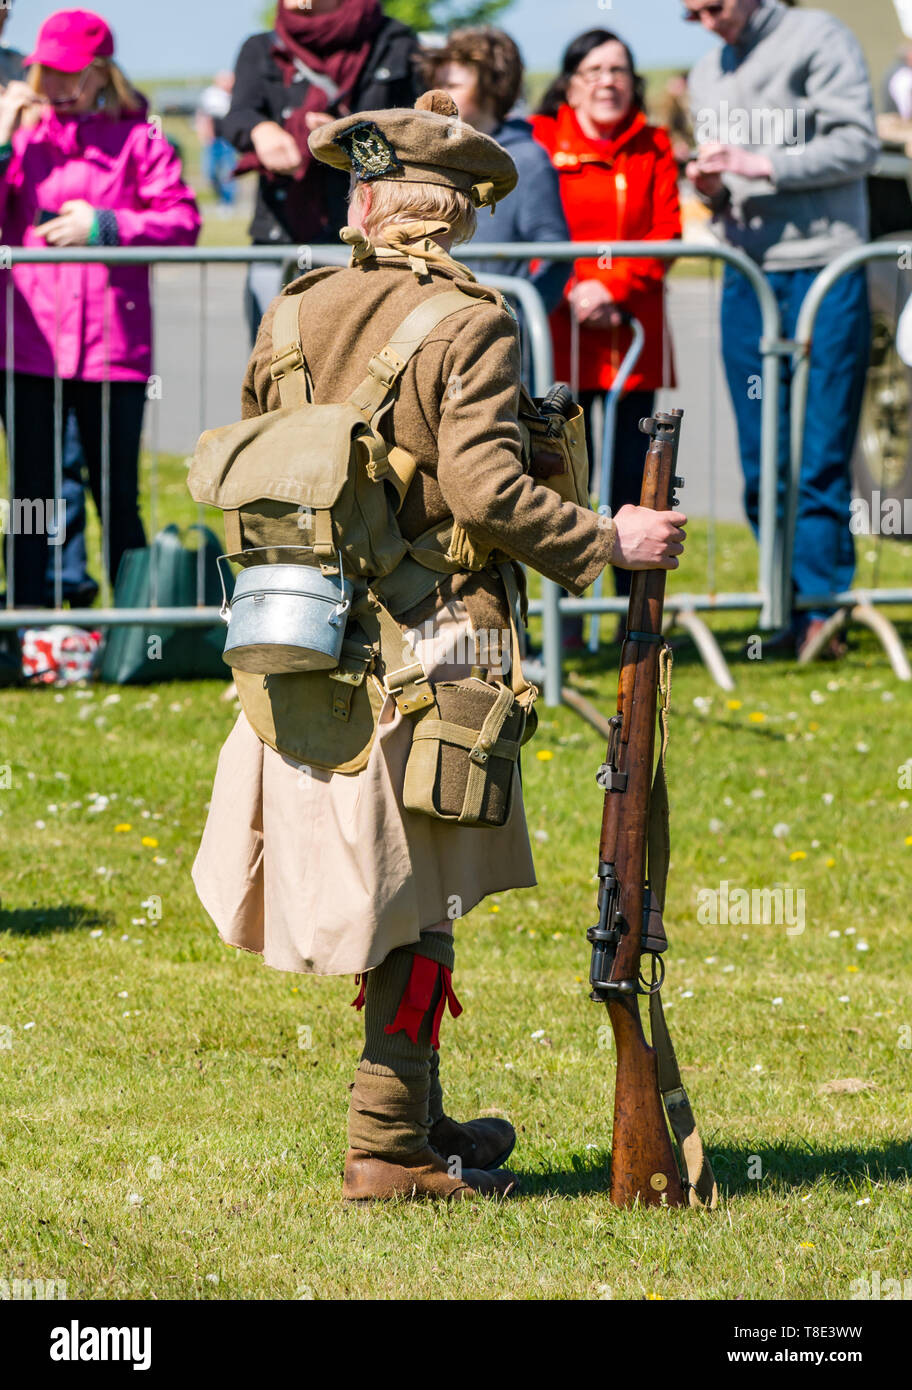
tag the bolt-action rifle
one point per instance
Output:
(633, 866)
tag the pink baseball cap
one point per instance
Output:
(71, 39)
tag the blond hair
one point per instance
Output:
(393, 202)
(118, 97)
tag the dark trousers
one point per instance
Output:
(33, 457)
(629, 456)
(823, 560)
(74, 572)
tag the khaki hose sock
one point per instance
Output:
(388, 1113)
(435, 1092)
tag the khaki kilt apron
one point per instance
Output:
(325, 873)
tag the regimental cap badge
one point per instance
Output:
(370, 152)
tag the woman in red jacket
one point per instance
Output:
(619, 181)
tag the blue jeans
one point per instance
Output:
(824, 554)
(220, 160)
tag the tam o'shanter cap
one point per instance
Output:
(72, 39)
(424, 144)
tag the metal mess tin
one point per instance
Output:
(285, 618)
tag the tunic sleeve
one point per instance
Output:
(480, 471)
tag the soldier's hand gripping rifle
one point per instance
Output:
(634, 827)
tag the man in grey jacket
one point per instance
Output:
(784, 124)
(10, 61)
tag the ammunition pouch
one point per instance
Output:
(465, 748)
(556, 450)
(464, 753)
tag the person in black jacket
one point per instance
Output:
(322, 61)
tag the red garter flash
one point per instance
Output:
(416, 1000)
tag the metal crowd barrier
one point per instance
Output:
(857, 605)
(683, 609)
(769, 595)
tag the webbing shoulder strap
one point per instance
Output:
(525, 693)
(386, 367)
(288, 366)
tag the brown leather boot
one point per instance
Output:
(376, 1177)
(484, 1143)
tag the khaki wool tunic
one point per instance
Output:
(324, 872)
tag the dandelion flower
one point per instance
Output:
(122, 828)
(544, 755)
(733, 704)
(797, 854)
(150, 842)
(757, 716)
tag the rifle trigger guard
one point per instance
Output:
(653, 986)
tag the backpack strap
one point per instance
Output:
(525, 694)
(375, 393)
(289, 367)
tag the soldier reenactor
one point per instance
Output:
(338, 847)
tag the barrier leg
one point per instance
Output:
(880, 625)
(705, 642)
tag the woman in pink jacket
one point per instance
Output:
(80, 165)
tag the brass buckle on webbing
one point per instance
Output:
(287, 359)
(395, 682)
(383, 370)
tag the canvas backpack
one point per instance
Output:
(318, 484)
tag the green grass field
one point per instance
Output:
(167, 1133)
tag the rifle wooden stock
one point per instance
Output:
(643, 1164)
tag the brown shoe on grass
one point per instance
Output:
(373, 1177)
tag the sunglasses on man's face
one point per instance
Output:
(694, 16)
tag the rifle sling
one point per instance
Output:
(702, 1190)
